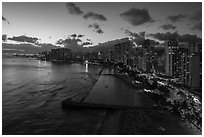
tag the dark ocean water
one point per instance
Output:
(32, 92)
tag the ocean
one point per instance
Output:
(32, 92)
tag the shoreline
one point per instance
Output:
(88, 92)
(106, 120)
(145, 115)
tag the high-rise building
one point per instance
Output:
(177, 61)
(148, 56)
(91, 55)
(124, 52)
(195, 66)
(171, 58)
(137, 58)
(61, 54)
(183, 61)
(159, 60)
(45, 55)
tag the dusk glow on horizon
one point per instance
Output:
(99, 22)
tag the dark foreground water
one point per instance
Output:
(32, 92)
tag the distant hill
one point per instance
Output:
(106, 45)
(32, 49)
(26, 48)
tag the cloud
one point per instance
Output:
(72, 43)
(137, 16)
(94, 16)
(142, 33)
(96, 28)
(176, 18)
(68, 40)
(4, 37)
(74, 35)
(132, 34)
(25, 39)
(73, 9)
(4, 19)
(168, 27)
(197, 20)
(197, 16)
(189, 38)
(139, 38)
(197, 26)
(99, 31)
(95, 25)
(181, 37)
(87, 43)
(164, 36)
(80, 35)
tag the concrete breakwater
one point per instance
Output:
(68, 104)
(109, 90)
(109, 95)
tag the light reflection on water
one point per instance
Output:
(87, 68)
(42, 63)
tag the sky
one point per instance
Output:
(99, 22)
